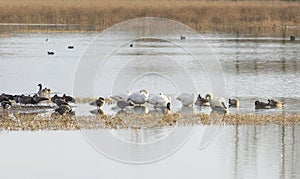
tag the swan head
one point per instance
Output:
(256, 102)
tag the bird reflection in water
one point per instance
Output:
(188, 110)
(98, 112)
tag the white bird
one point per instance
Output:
(121, 96)
(138, 97)
(187, 99)
(159, 100)
(217, 104)
(123, 104)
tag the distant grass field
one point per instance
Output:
(224, 16)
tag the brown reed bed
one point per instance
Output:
(266, 17)
(34, 122)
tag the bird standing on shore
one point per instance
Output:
(99, 102)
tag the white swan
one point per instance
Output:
(121, 96)
(187, 99)
(159, 100)
(138, 97)
(217, 104)
(123, 104)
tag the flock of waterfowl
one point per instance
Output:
(63, 118)
(43, 95)
(160, 102)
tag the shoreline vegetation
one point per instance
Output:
(276, 18)
(34, 122)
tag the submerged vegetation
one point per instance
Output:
(270, 17)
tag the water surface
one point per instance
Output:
(254, 69)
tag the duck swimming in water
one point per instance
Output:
(262, 105)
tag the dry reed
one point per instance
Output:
(96, 15)
(33, 122)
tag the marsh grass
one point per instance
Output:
(34, 122)
(96, 15)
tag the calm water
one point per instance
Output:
(236, 152)
(253, 68)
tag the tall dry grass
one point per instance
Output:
(228, 16)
